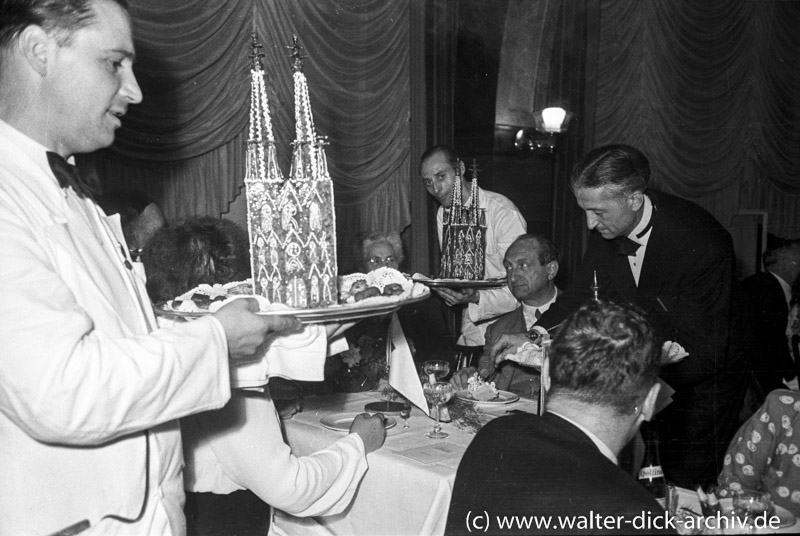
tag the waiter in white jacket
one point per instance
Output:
(90, 389)
(440, 168)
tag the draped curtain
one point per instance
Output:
(185, 143)
(710, 91)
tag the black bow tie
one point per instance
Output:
(68, 175)
(626, 246)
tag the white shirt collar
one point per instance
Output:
(604, 450)
(787, 289)
(641, 233)
(529, 311)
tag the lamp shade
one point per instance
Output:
(553, 118)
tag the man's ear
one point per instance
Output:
(35, 45)
(461, 168)
(649, 404)
(636, 201)
(552, 270)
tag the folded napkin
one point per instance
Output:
(300, 356)
(402, 372)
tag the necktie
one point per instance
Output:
(626, 246)
(538, 314)
(68, 175)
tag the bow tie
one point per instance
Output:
(68, 175)
(626, 246)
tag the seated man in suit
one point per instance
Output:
(770, 293)
(531, 264)
(602, 382)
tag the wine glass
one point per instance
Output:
(437, 368)
(437, 394)
(405, 413)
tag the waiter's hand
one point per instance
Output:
(249, 334)
(455, 297)
(371, 429)
(507, 343)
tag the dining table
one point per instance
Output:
(407, 488)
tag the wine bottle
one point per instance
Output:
(651, 475)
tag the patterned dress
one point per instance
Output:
(765, 453)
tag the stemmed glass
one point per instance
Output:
(438, 368)
(436, 394)
(405, 413)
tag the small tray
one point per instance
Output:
(462, 283)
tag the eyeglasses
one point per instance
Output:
(381, 260)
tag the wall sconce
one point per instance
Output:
(542, 137)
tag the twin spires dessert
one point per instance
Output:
(292, 223)
(464, 235)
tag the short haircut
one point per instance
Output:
(619, 167)
(604, 354)
(445, 150)
(547, 249)
(193, 251)
(782, 251)
(61, 18)
(391, 238)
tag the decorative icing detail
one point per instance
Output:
(292, 223)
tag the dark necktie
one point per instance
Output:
(537, 314)
(68, 175)
(626, 246)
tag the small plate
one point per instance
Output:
(387, 407)
(341, 421)
(503, 397)
(785, 517)
(462, 283)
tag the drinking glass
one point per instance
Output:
(405, 413)
(437, 394)
(438, 368)
(749, 504)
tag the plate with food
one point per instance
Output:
(502, 397)
(460, 283)
(341, 421)
(379, 292)
(483, 393)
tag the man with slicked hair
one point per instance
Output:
(90, 389)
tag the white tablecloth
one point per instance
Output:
(399, 495)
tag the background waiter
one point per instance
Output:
(676, 262)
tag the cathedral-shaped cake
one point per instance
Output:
(464, 235)
(292, 223)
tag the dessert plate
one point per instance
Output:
(503, 397)
(461, 283)
(341, 421)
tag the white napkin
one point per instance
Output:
(300, 356)
(402, 371)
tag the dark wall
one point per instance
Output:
(525, 179)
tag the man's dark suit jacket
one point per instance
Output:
(775, 362)
(688, 291)
(513, 376)
(524, 465)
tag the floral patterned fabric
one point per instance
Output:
(765, 453)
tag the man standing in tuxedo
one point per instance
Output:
(675, 261)
(602, 382)
(531, 263)
(770, 294)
